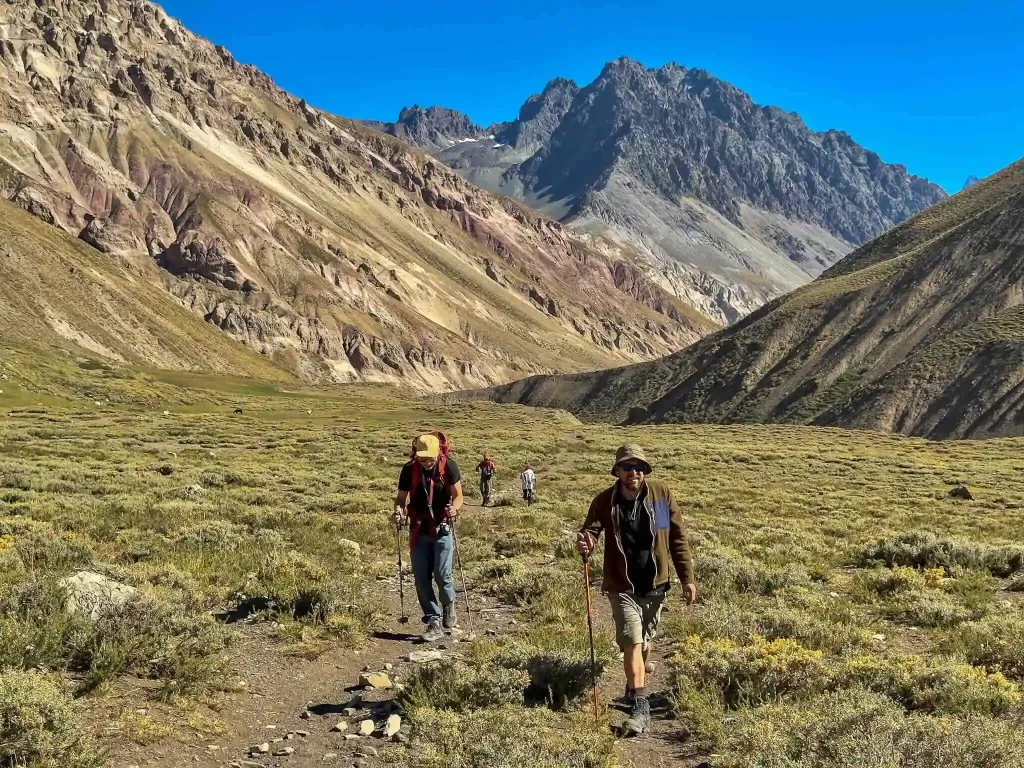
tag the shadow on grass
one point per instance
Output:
(245, 611)
(400, 637)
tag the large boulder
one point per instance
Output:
(93, 594)
(350, 546)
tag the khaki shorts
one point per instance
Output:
(636, 618)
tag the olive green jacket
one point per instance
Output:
(670, 545)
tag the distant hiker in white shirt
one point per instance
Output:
(528, 479)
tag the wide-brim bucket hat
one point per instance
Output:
(631, 452)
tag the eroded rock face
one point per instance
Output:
(338, 252)
(205, 260)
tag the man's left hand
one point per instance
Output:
(452, 514)
(691, 594)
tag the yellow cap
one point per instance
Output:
(427, 447)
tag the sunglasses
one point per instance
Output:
(426, 460)
(633, 467)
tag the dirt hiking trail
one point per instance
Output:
(292, 707)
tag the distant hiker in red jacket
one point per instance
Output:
(486, 469)
(646, 538)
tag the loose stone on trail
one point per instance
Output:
(375, 680)
(423, 657)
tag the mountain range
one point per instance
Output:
(333, 252)
(921, 331)
(723, 202)
(165, 206)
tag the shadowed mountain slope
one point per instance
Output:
(921, 331)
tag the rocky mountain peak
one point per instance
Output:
(540, 115)
(730, 203)
(620, 68)
(433, 126)
(559, 84)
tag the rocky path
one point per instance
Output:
(298, 713)
(664, 746)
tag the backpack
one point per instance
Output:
(442, 465)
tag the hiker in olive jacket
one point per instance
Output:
(646, 541)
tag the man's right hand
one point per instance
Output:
(585, 544)
(399, 517)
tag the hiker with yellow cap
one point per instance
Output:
(646, 538)
(429, 499)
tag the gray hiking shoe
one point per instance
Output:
(450, 620)
(434, 632)
(640, 718)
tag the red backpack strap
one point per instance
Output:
(415, 521)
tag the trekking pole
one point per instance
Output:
(465, 589)
(590, 629)
(401, 575)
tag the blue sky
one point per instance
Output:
(937, 86)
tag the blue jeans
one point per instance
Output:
(432, 561)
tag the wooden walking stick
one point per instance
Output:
(590, 629)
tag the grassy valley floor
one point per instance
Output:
(851, 612)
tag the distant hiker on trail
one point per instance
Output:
(486, 469)
(646, 537)
(433, 479)
(528, 479)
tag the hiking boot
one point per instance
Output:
(434, 632)
(639, 718)
(628, 696)
(450, 620)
